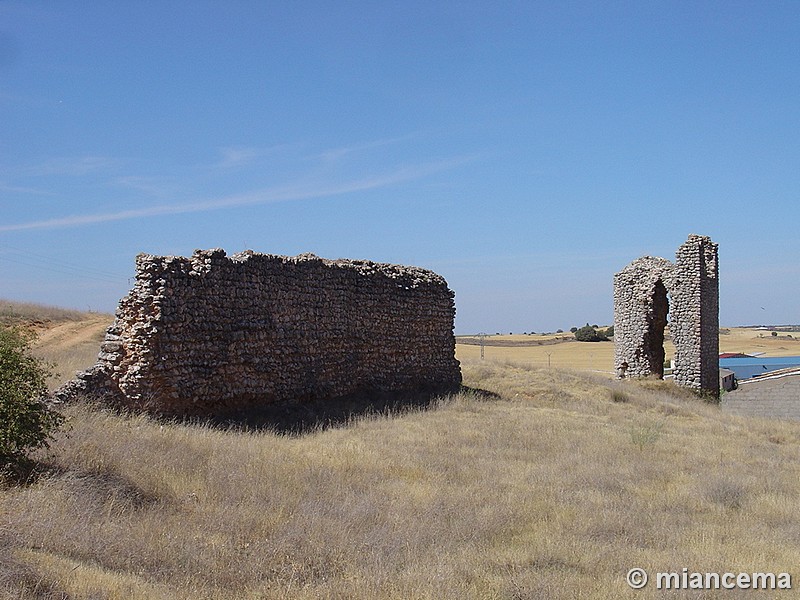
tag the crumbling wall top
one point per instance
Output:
(204, 261)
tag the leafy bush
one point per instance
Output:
(26, 421)
(589, 334)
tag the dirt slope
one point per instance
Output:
(72, 345)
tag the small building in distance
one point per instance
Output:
(727, 380)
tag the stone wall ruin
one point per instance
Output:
(212, 334)
(651, 292)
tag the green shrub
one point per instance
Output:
(26, 421)
(589, 334)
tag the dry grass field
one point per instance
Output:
(14, 312)
(553, 485)
(585, 356)
(554, 489)
(755, 341)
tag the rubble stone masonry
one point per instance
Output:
(641, 307)
(211, 334)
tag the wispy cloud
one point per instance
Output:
(293, 192)
(334, 154)
(71, 165)
(153, 186)
(232, 157)
(237, 157)
(17, 189)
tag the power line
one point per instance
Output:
(46, 263)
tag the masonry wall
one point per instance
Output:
(639, 317)
(692, 284)
(210, 334)
(695, 320)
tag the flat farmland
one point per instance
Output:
(540, 351)
(557, 352)
(750, 340)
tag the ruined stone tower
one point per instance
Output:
(651, 292)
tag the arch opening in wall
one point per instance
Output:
(657, 324)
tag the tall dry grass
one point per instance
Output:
(554, 488)
(14, 311)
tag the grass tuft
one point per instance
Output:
(618, 395)
(644, 434)
(726, 492)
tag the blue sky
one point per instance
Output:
(525, 150)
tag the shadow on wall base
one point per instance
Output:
(297, 417)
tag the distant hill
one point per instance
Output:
(13, 312)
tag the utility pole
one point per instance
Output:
(482, 338)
